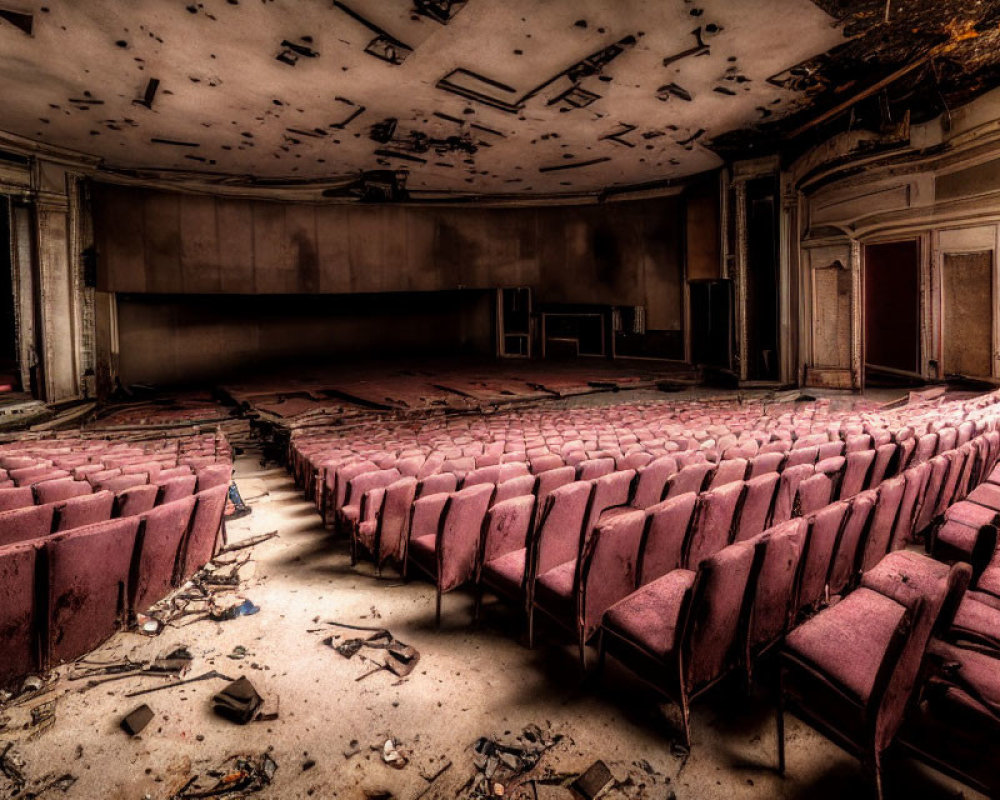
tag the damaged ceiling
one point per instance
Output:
(466, 96)
(904, 61)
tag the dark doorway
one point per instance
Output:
(10, 379)
(711, 323)
(762, 279)
(892, 309)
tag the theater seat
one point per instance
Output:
(158, 548)
(22, 524)
(86, 509)
(202, 539)
(18, 626)
(88, 579)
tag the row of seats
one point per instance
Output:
(688, 587)
(81, 554)
(911, 661)
(68, 504)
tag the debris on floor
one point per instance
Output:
(238, 776)
(502, 762)
(244, 609)
(399, 659)
(242, 703)
(207, 676)
(394, 755)
(595, 780)
(135, 721)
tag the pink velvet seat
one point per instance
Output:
(825, 527)
(714, 523)
(730, 471)
(449, 557)
(813, 494)
(773, 596)
(953, 725)
(19, 629)
(850, 670)
(757, 506)
(177, 488)
(212, 475)
(504, 547)
(668, 527)
(652, 481)
(120, 483)
(16, 497)
(202, 540)
(593, 468)
(886, 455)
(690, 478)
(857, 468)
(158, 547)
(845, 564)
(559, 538)
(422, 532)
(350, 514)
(88, 577)
(680, 631)
(883, 520)
(788, 487)
(86, 509)
(23, 524)
(59, 489)
(916, 478)
(765, 463)
(136, 500)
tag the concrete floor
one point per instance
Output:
(470, 682)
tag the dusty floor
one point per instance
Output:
(470, 682)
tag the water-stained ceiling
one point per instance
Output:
(521, 96)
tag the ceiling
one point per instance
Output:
(519, 97)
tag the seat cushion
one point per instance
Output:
(648, 617)
(422, 551)
(554, 591)
(506, 573)
(847, 641)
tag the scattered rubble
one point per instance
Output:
(400, 658)
(238, 776)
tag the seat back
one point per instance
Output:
(925, 449)
(18, 628)
(87, 509)
(177, 488)
(613, 489)
(59, 489)
(507, 527)
(545, 462)
(885, 456)
(16, 497)
(814, 492)
(594, 468)
(653, 481)
(766, 463)
(691, 478)
(713, 524)
(549, 481)
(916, 478)
(718, 600)
(774, 587)
(668, 526)
(438, 483)
(729, 471)
(137, 500)
(883, 520)
(856, 471)
(459, 535)
(788, 487)
(514, 487)
(757, 506)
(88, 579)
(801, 456)
(202, 538)
(120, 483)
(214, 475)
(22, 524)
(561, 526)
(844, 564)
(609, 568)
(825, 527)
(482, 475)
(396, 509)
(158, 548)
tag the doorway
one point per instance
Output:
(762, 280)
(892, 312)
(967, 314)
